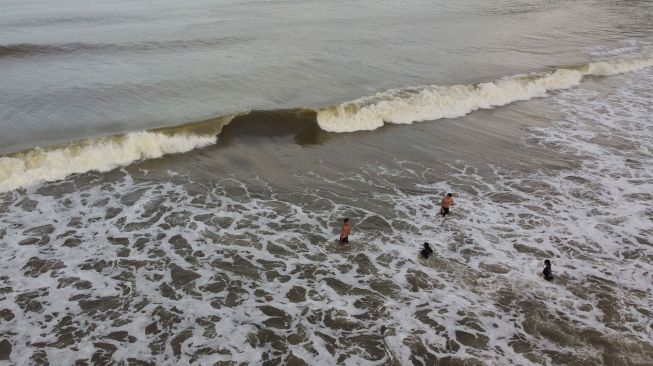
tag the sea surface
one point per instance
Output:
(174, 175)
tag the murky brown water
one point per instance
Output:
(228, 255)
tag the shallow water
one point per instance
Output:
(162, 262)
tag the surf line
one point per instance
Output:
(46, 164)
(427, 103)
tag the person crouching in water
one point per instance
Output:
(546, 273)
(426, 251)
(445, 204)
(346, 230)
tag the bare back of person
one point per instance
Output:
(344, 234)
(446, 202)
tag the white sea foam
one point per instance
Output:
(402, 106)
(625, 47)
(435, 102)
(258, 245)
(102, 154)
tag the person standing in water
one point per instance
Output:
(346, 230)
(546, 273)
(426, 251)
(445, 204)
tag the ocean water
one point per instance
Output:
(175, 175)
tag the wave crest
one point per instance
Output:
(436, 102)
(394, 106)
(103, 154)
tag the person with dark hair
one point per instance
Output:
(546, 273)
(445, 204)
(426, 251)
(344, 234)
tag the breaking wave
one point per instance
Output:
(433, 102)
(44, 164)
(104, 153)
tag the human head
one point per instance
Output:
(346, 221)
(449, 194)
(426, 245)
(547, 263)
